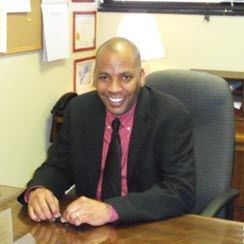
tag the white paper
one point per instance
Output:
(3, 31)
(28, 238)
(237, 102)
(55, 31)
(16, 6)
(53, 1)
(6, 226)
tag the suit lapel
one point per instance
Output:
(140, 129)
(94, 138)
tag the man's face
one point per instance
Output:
(117, 79)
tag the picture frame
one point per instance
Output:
(83, 73)
(84, 30)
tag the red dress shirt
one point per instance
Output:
(125, 129)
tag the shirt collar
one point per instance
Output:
(126, 119)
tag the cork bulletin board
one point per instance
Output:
(24, 30)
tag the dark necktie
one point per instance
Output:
(111, 185)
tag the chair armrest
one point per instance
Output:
(220, 202)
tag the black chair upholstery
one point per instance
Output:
(209, 100)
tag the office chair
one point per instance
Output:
(58, 113)
(209, 100)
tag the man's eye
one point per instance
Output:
(127, 77)
(102, 77)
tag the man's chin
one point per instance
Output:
(116, 111)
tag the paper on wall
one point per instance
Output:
(54, 1)
(3, 30)
(10, 6)
(55, 31)
(16, 6)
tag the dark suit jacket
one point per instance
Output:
(161, 172)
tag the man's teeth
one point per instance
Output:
(115, 100)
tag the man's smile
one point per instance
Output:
(115, 100)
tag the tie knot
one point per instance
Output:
(115, 124)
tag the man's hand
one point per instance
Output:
(87, 211)
(43, 205)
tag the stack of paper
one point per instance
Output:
(6, 226)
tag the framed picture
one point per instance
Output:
(84, 30)
(83, 73)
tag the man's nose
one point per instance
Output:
(115, 85)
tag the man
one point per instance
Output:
(157, 162)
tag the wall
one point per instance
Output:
(28, 90)
(190, 41)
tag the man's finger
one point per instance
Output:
(74, 206)
(32, 215)
(54, 207)
(82, 219)
(71, 210)
(44, 206)
(38, 211)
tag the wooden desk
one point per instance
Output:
(8, 192)
(238, 170)
(185, 229)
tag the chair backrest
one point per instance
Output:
(209, 100)
(58, 113)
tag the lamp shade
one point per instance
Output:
(143, 31)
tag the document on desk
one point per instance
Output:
(28, 238)
(55, 29)
(6, 226)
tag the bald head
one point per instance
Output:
(118, 75)
(122, 47)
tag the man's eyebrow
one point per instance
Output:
(127, 72)
(103, 73)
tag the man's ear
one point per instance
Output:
(94, 81)
(142, 77)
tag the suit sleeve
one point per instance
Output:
(174, 193)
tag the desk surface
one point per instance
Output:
(183, 229)
(225, 74)
(8, 192)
